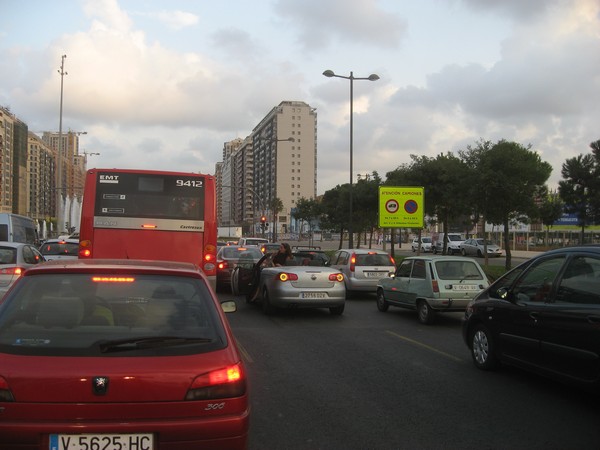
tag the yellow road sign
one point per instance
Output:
(401, 206)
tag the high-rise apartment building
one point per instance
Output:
(278, 160)
(41, 171)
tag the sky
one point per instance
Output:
(164, 84)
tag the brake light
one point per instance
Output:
(12, 271)
(435, 286)
(222, 383)
(97, 279)
(336, 277)
(392, 261)
(222, 265)
(5, 393)
(148, 226)
(352, 262)
(283, 276)
(210, 259)
(85, 249)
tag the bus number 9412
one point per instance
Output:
(189, 183)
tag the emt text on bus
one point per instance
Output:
(147, 214)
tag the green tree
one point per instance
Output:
(550, 210)
(366, 195)
(309, 211)
(577, 188)
(519, 175)
(276, 206)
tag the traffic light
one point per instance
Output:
(263, 219)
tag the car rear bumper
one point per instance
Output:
(448, 304)
(285, 299)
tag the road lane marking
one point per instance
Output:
(420, 344)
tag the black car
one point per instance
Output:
(543, 316)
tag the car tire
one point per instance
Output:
(479, 254)
(413, 249)
(434, 250)
(382, 305)
(425, 314)
(337, 310)
(482, 348)
(267, 308)
(463, 252)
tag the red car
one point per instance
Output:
(119, 355)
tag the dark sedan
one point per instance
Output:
(227, 260)
(543, 316)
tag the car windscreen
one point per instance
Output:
(236, 252)
(109, 315)
(458, 270)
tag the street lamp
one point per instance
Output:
(372, 77)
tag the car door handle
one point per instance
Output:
(534, 315)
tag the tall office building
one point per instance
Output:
(277, 160)
(285, 160)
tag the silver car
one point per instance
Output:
(432, 284)
(363, 268)
(290, 286)
(15, 258)
(477, 247)
(425, 244)
(60, 249)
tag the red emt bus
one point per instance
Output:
(148, 214)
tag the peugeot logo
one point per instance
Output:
(313, 277)
(100, 385)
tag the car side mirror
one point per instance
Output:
(229, 306)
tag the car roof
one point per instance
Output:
(12, 244)
(68, 240)
(593, 248)
(434, 258)
(114, 266)
(364, 251)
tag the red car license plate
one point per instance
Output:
(138, 441)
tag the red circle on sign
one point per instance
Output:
(411, 206)
(392, 206)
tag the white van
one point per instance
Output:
(452, 246)
(245, 242)
(16, 228)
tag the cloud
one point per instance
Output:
(346, 21)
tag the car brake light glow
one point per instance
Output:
(5, 393)
(222, 383)
(148, 226)
(352, 262)
(98, 279)
(336, 277)
(85, 249)
(283, 276)
(222, 265)
(12, 271)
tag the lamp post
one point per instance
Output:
(372, 77)
(59, 156)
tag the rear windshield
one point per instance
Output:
(458, 270)
(8, 255)
(107, 315)
(255, 241)
(375, 259)
(60, 248)
(237, 252)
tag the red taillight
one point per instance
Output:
(85, 249)
(392, 261)
(5, 393)
(284, 276)
(148, 226)
(12, 271)
(352, 262)
(209, 265)
(222, 383)
(336, 277)
(222, 265)
(435, 286)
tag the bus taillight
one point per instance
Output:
(85, 249)
(210, 259)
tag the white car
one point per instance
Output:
(290, 286)
(15, 258)
(363, 268)
(478, 247)
(425, 244)
(60, 249)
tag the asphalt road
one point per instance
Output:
(372, 380)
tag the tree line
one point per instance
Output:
(498, 183)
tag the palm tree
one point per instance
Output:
(276, 206)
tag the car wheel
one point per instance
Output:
(463, 252)
(414, 250)
(482, 348)
(479, 254)
(425, 313)
(337, 310)
(382, 305)
(435, 250)
(266, 303)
